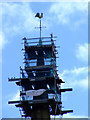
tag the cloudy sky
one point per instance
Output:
(66, 20)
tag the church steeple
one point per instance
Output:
(41, 85)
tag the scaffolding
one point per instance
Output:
(40, 82)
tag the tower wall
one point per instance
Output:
(41, 112)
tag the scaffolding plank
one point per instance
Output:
(29, 101)
(64, 90)
(17, 79)
(34, 81)
(66, 111)
(14, 79)
(39, 38)
(39, 46)
(38, 102)
(38, 42)
(39, 67)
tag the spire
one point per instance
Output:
(40, 16)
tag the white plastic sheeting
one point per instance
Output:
(35, 92)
